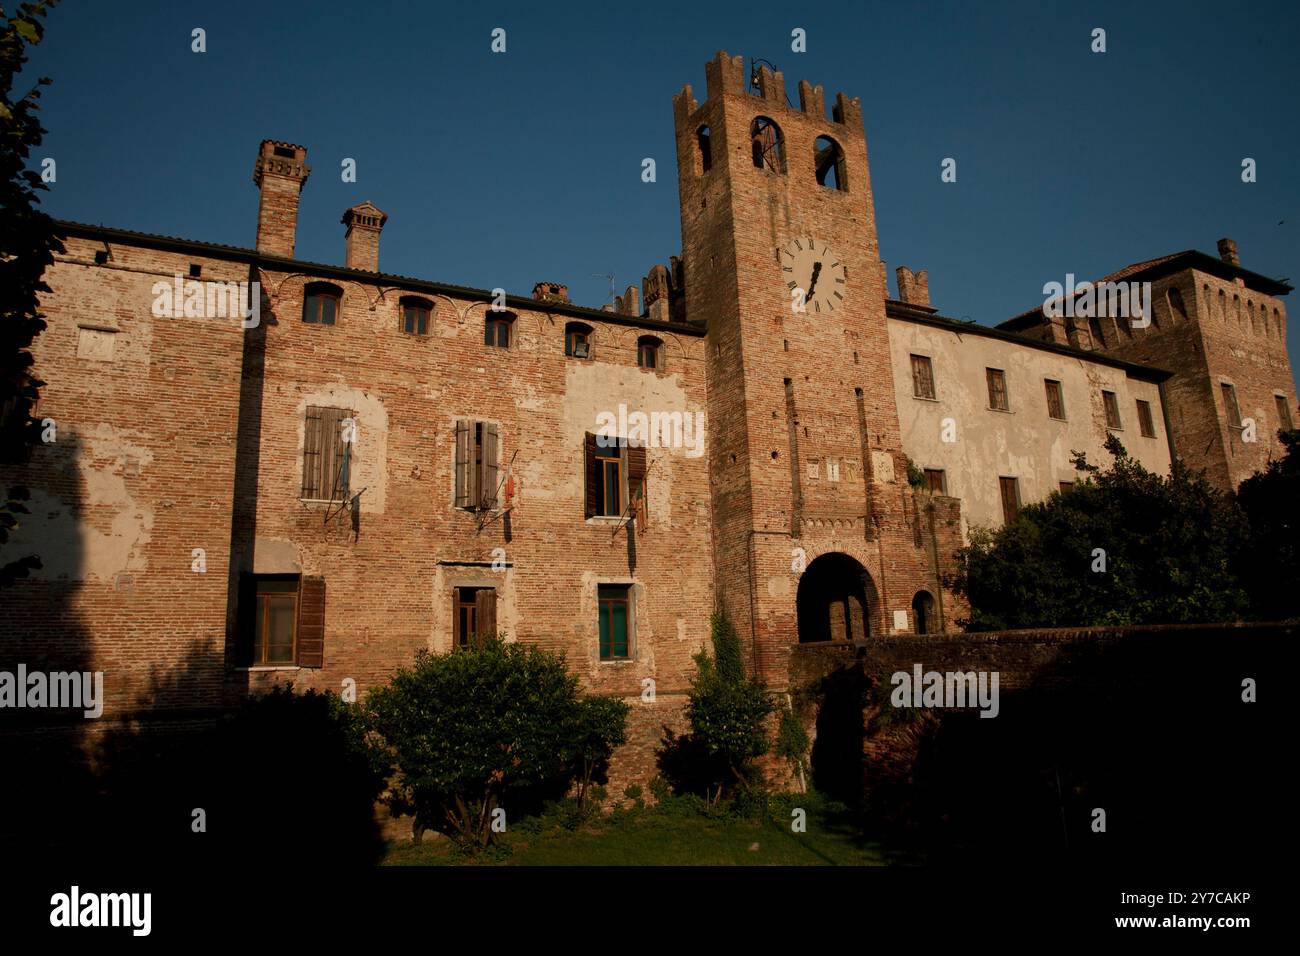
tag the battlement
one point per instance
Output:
(727, 76)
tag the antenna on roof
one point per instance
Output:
(610, 277)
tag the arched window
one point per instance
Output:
(923, 615)
(498, 329)
(415, 315)
(705, 146)
(649, 352)
(577, 340)
(320, 303)
(828, 160)
(768, 144)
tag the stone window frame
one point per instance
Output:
(634, 598)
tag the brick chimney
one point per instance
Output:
(280, 171)
(913, 289)
(1228, 252)
(551, 292)
(364, 221)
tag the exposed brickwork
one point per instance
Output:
(184, 433)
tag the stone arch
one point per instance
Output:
(835, 600)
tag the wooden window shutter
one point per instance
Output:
(1010, 498)
(462, 463)
(593, 478)
(311, 622)
(488, 476)
(485, 611)
(636, 489)
(311, 453)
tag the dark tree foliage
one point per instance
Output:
(1168, 546)
(1269, 566)
(28, 241)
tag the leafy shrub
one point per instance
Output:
(498, 725)
(727, 711)
(1168, 543)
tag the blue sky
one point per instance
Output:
(506, 169)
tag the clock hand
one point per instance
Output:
(817, 268)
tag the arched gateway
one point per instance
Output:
(835, 601)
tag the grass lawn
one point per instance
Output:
(648, 839)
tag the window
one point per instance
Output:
(1146, 425)
(1111, 403)
(615, 476)
(828, 161)
(649, 352)
(1283, 413)
(320, 303)
(1055, 399)
(577, 340)
(923, 612)
(478, 451)
(497, 329)
(615, 601)
(936, 481)
(1230, 406)
(922, 377)
(768, 145)
(415, 316)
(1010, 489)
(997, 380)
(705, 147)
(327, 453)
(281, 620)
(1066, 486)
(475, 614)
(275, 620)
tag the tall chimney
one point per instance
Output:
(280, 172)
(913, 289)
(364, 222)
(1228, 252)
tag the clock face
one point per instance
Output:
(814, 276)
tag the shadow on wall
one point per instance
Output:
(76, 788)
(1149, 728)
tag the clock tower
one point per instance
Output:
(817, 534)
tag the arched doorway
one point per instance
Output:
(923, 613)
(835, 600)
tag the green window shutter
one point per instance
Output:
(604, 631)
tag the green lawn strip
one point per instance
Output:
(656, 841)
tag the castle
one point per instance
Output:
(352, 466)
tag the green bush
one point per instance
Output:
(1169, 545)
(727, 711)
(496, 726)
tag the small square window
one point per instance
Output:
(997, 382)
(415, 318)
(1111, 404)
(922, 376)
(1146, 425)
(496, 331)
